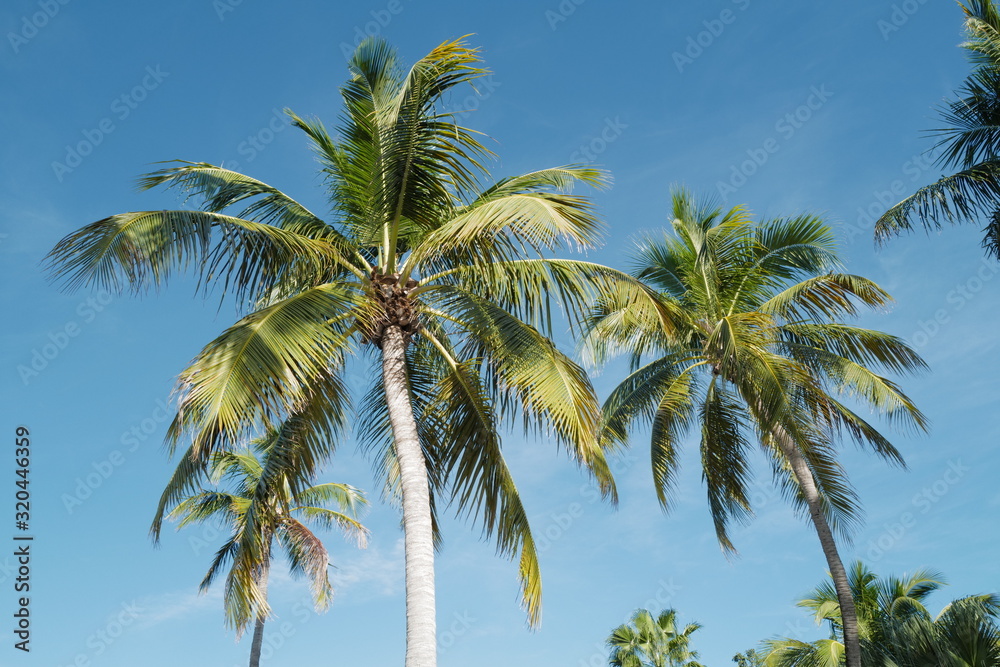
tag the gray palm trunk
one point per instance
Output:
(258, 631)
(418, 536)
(848, 612)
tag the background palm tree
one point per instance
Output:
(745, 342)
(446, 287)
(896, 630)
(970, 143)
(749, 658)
(646, 641)
(260, 508)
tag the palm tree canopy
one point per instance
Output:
(258, 505)
(740, 336)
(896, 628)
(969, 143)
(413, 240)
(652, 641)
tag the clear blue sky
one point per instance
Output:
(831, 100)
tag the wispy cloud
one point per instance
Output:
(370, 573)
(165, 607)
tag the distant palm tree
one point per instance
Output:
(970, 143)
(745, 342)
(646, 641)
(749, 658)
(444, 285)
(896, 630)
(260, 508)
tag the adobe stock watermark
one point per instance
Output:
(957, 298)
(883, 198)
(588, 152)
(258, 140)
(483, 90)
(786, 126)
(459, 627)
(664, 595)
(899, 16)
(223, 7)
(100, 471)
(922, 502)
(121, 108)
(381, 18)
(34, 23)
(59, 339)
(560, 523)
(562, 12)
(101, 640)
(698, 43)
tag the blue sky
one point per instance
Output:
(790, 108)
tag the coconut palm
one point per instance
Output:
(747, 344)
(970, 144)
(445, 286)
(260, 508)
(646, 641)
(895, 627)
(749, 658)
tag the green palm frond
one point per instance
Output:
(267, 493)
(956, 198)
(744, 320)
(261, 369)
(139, 251)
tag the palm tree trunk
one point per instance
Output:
(418, 536)
(258, 631)
(848, 612)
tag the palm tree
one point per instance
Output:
(262, 508)
(646, 641)
(970, 144)
(745, 343)
(896, 630)
(446, 287)
(749, 658)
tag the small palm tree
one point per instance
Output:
(895, 628)
(261, 507)
(970, 143)
(741, 338)
(646, 641)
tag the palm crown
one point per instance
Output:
(448, 282)
(747, 342)
(748, 339)
(653, 641)
(260, 507)
(896, 628)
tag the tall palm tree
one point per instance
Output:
(260, 508)
(646, 641)
(970, 144)
(896, 630)
(445, 286)
(745, 342)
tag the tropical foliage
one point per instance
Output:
(653, 641)
(260, 506)
(446, 286)
(896, 629)
(970, 144)
(745, 342)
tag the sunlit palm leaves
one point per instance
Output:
(414, 239)
(895, 626)
(648, 641)
(747, 339)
